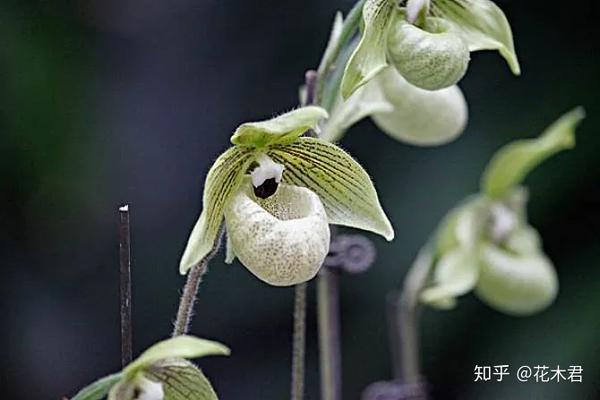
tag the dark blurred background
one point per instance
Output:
(106, 102)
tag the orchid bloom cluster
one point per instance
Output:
(277, 193)
(162, 372)
(403, 71)
(486, 243)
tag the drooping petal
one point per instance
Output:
(454, 275)
(222, 180)
(419, 117)
(369, 57)
(483, 24)
(282, 129)
(283, 239)
(513, 162)
(516, 284)
(343, 186)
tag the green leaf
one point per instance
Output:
(343, 186)
(513, 162)
(178, 347)
(181, 380)
(221, 182)
(455, 274)
(483, 24)
(99, 389)
(282, 129)
(369, 57)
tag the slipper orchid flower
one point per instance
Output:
(278, 192)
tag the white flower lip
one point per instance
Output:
(149, 390)
(282, 240)
(267, 169)
(419, 117)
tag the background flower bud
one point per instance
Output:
(432, 57)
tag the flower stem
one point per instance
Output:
(185, 312)
(404, 319)
(299, 342)
(329, 333)
(125, 284)
(188, 299)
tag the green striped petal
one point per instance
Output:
(344, 187)
(483, 24)
(513, 162)
(282, 129)
(369, 57)
(181, 380)
(222, 180)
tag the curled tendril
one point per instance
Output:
(351, 253)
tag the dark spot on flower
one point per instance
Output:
(136, 393)
(267, 189)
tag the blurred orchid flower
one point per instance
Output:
(428, 42)
(403, 111)
(486, 244)
(278, 192)
(160, 373)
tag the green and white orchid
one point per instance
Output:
(160, 373)
(277, 192)
(427, 41)
(486, 244)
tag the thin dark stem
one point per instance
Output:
(404, 316)
(125, 284)
(329, 334)
(188, 299)
(299, 342)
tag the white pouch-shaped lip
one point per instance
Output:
(283, 239)
(419, 117)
